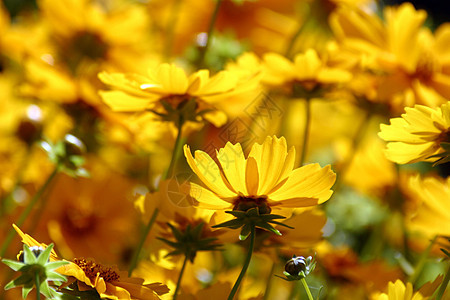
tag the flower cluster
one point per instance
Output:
(236, 149)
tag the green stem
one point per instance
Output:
(419, 267)
(443, 286)
(175, 153)
(212, 23)
(245, 266)
(27, 211)
(38, 285)
(306, 130)
(305, 285)
(175, 294)
(144, 235)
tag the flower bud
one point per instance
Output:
(73, 145)
(37, 250)
(295, 265)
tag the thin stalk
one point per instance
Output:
(306, 130)
(175, 294)
(419, 267)
(144, 235)
(38, 285)
(212, 23)
(245, 266)
(27, 211)
(443, 286)
(175, 153)
(305, 285)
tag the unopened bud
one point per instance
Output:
(295, 265)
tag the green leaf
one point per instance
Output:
(55, 264)
(28, 256)
(44, 256)
(269, 227)
(245, 232)
(15, 265)
(26, 291)
(281, 224)
(235, 223)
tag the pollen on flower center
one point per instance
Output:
(91, 269)
(244, 203)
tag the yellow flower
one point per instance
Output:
(405, 55)
(266, 179)
(109, 282)
(112, 34)
(308, 70)
(420, 133)
(432, 214)
(398, 291)
(169, 85)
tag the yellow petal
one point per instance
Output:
(207, 199)
(208, 172)
(310, 181)
(271, 158)
(119, 101)
(233, 164)
(252, 177)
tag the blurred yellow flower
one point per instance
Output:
(266, 179)
(398, 291)
(111, 34)
(431, 215)
(109, 282)
(404, 54)
(307, 70)
(91, 217)
(169, 86)
(420, 133)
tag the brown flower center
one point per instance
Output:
(426, 67)
(91, 269)
(244, 203)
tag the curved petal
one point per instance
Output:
(273, 162)
(233, 164)
(208, 172)
(310, 181)
(119, 101)
(207, 199)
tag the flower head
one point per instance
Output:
(398, 291)
(265, 179)
(167, 88)
(422, 133)
(108, 282)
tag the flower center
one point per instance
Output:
(244, 203)
(78, 221)
(426, 67)
(91, 269)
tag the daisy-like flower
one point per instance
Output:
(422, 133)
(265, 179)
(308, 72)
(109, 282)
(431, 216)
(398, 291)
(168, 91)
